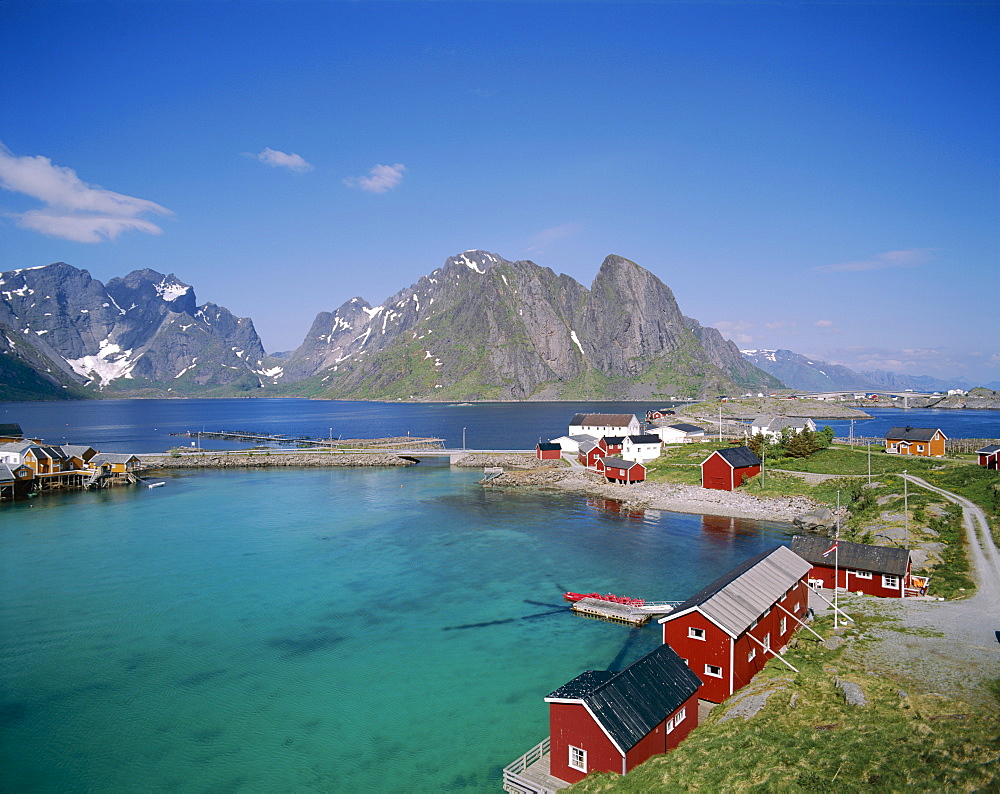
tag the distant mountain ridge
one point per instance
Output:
(479, 327)
(799, 372)
(141, 331)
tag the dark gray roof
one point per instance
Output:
(630, 704)
(619, 463)
(645, 439)
(738, 457)
(911, 433)
(584, 437)
(686, 428)
(53, 453)
(856, 556)
(11, 429)
(614, 441)
(548, 446)
(734, 601)
(988, 450)
(6, 475)
(111, 457)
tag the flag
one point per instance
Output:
(830, 550)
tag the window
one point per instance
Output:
(863, 574)
(754, 623)
(752, 655)
(577, 758)
(767, 642)
(713, 670)
(697, 634)
(680, 715)
(920, 447)
(671, 725)
(891, 582)
(782, 625)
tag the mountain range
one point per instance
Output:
(479, 327)
(806, 374)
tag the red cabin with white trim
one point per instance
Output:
(612, 722)
(989, 456)
(860, 568)
(728, 631)
(725, 469)
(620, 470)
(548, 451)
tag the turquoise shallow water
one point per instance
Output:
(321, 630)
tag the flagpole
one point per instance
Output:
(836, 565)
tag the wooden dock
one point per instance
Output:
(629, 615)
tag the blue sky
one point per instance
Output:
(821, 177)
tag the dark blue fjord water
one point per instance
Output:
(318, 630)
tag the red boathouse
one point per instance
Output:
(612, 722)
(548, 451)
(725, 469)
(727, 631)
(620, 470)
(590, 454)
(874, 570)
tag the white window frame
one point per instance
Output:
(710, 667)
(753, 653)
(890, 582)
(577, 758)
(863, 574)
(680, 716)
(766, 642)
(670, 725)
(696, 633)
(782, 625)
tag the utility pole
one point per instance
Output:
(906, 512)
(720, 420)
(869, 462)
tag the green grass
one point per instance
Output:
(808, 739)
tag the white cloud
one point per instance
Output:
(735, 331)
(777, 325)
(74, 209)
(553, 233)
(911, 257)
(277, 159)
(381, 179)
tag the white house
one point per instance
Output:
(600, 425)
(572, 444)
(641, 449)
(773, 425)
(681, 433)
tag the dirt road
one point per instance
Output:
(951, 647)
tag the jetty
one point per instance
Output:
(283, 440)
(627, 614)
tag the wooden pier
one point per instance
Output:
(613, 612)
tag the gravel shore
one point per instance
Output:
(661, 496)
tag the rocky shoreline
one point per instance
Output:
(261, 460)
(661, 496)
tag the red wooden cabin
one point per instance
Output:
(988, 456)
(548, 451)
(620, 470)
(727, 631)
(612, 445)
(612, 722)
(590, 454)
(874, 570)
(725, 469)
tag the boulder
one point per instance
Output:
(818, 520)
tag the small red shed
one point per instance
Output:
(727, 631)
(875, 570)
(988, 456)
(621, 470)
(612, 722)
(725, 469)
(548, 451)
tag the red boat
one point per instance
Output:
(632, 602)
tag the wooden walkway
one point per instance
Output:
(610, 611)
